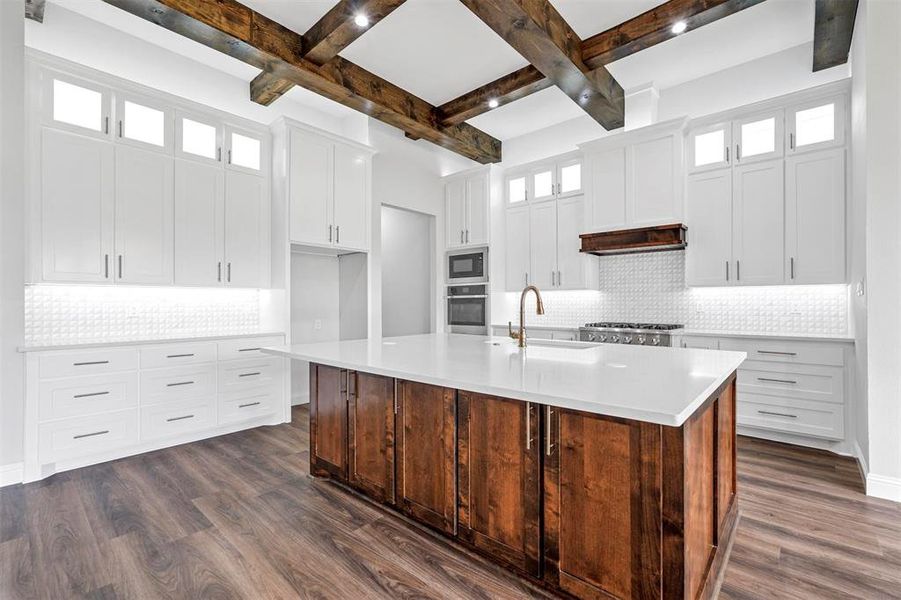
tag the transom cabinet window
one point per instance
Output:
(543, 184)
(78, 107)
(816, 125)
(198, 139)
(244, 150)
(758, 137)
(516, 189)
(144, 124)
(709, 147)
(570, 178)
(546, 181)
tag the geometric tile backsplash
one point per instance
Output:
(651, 287)
(84, 314)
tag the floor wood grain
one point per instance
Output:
(238, 517)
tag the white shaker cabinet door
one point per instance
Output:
(77, 207)
(607, 189)
(572, 265)
(517, 248)
(815, 209)
(311, 176)
(246, 230)
(143, 216)
(476, 230)
(654, 189)
(351, 197)
(758, 223)
(199, 223)
(709, 252)
(455, 217)
(543, 236)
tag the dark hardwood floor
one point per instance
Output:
(238, 517)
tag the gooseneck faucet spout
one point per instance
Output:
(521, 336)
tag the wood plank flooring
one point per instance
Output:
(238, 517)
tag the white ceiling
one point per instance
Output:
(438, 50)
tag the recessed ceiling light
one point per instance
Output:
(361, 20)
(493, 103)
(679, 27)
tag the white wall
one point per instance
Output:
(12, 240)
(407, 261)
(883, 245)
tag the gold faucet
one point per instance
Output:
(521, 336)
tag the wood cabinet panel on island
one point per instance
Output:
(581, 503)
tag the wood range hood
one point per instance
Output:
(634, 241)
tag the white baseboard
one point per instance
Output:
(880, 486)
(11, 474)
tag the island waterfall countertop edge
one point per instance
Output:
(656, 385)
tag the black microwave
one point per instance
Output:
(467, 266)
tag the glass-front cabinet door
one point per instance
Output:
(569, 178)
(198, 138)
(76, 105)
(244, 151)
(144, 123)
(709, 147)
(517, 188)
(816, 124)
(758, 137)
(544, 182)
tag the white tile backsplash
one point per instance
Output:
(651, 287)
(82, 314)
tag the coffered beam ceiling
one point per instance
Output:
(238, 31)
(646, 30)
(832, 31)
(536, 30)
(331, 34)
(34, 10)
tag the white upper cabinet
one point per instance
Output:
(709, 147)
(543, 245)
(329, 190)
(517, 188)
(466, 209)
(517, 248)
(561, 177)
(708, 256)
(247, 227)
(543, 181)
(77, 207)
(758, 137)
(144, 123)
(199, 223)
(572, 266)
(815, 125)
(198, 137)
(351, 197)
(569, 178)
(76, 105)
(245, 151)
(815, 217)
(655, 182)
(144, 243)
(608, 184)
(758, 223)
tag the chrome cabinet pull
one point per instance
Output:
(120, 128)
(738, 270)
(559, 278)
(92, 394)
(791, 141)
(106, 266)
(248, 374)
(87, 435)
(219, 154)
(738, 152)
(776, 380)
(248, 404)
(528, 425)
(229, 156)
(549, 446)
(179, 355)
(727, 154)
(120, 266)
(395, 396)
(228, 271)
(219, 271)
(179, 418)
(247, 349)
(337, 234)
(778, 414)
(106, 124)
(553, 278)
(727, 270)
(461, 236)
(179, 383)
(93, 362)
(792, 267)
(776, 352)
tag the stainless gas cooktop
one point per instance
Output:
(617, 332)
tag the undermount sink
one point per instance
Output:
(570, 344)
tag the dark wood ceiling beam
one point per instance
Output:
(832, 32)
(234, 29)
(34, 10)
(645, 30)
(331, 34)
(536, 30)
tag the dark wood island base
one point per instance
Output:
(584, 504)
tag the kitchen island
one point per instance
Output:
(596, 470)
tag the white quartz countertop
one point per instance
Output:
(657, 385)
(145, 341)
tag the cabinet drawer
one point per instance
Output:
(247, 347)
(701, 342)
(810, 353)
(167, 420)
(179, 354)
(82, 436)
(804, 382)
(241, 375)
(818, 419)
(89, 362)
(77, 396)
(247, 405)
(178, 383)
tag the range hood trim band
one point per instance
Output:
(635, 241)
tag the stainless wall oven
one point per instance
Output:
(467, 309)
(467, 266)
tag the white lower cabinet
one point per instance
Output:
(86, 406)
